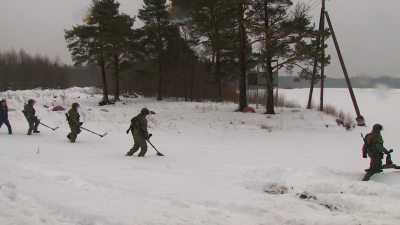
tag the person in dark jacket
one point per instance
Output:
(139, 133)
(73, 122)
(29, 113)
(4, 115)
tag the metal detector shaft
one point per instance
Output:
(158, 153)
(49, 127)
(94, 132)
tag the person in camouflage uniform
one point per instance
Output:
(73, 122)
(139, 133)
(373, 147)
(29, 113)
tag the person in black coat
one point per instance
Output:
(4, 115)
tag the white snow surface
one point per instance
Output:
(220, 166)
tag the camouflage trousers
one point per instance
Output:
(375, 166)
(33, 125)
(75, 130)
(139, 142)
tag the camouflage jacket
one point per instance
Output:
(29, 112)
(140, 126)
(375, 142)
(73, 116)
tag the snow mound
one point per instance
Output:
(220, 166)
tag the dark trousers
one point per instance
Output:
(7, 123)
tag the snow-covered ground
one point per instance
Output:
(220, 166)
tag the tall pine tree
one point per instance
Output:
(87, 42)
(156, 23)
(121, 47)
(284, 34)
(213, 23)
(241, 8)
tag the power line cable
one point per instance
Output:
(314, 3)
(308, 2)
(314, 7)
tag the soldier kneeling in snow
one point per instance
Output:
(373, 147)
(73, 122)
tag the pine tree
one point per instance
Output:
(242, 8)
(156, 23)
(121, 47)
(87, 42)
(213, 23)
(282, 34)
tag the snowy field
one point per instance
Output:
(220, 166)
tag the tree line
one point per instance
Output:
(20, 70)
(194, 49)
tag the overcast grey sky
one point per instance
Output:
(368, 31)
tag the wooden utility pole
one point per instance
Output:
(321, 103)
(359, 119)
(320, 29)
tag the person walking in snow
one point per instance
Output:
(73, 122)
(29, 113)
(139, 132)
(4, 115)
(373, 147)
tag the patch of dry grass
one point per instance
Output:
(342, 119)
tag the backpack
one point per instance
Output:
(132, 126)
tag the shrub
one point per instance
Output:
(279, 101)
(342, 119)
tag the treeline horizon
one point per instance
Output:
(191, 49)
(288, 82)
(20, 70)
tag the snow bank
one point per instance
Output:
(220, 166)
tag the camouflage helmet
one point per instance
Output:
(75, 105)
(31, 102)
(377, 127)
(145, 111)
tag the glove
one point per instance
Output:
(149, 136)
(390, 151)
(364, 156)
(80, 124)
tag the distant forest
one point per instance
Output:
(191, 50)
(20, 71)
(356, 82)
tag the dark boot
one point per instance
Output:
(36, 131)
(69, 136)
